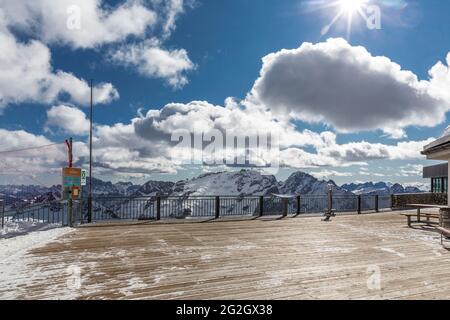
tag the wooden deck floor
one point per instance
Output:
(301, 258)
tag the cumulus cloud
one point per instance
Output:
(27, 76)
(29, 162)
(86, 24)
(81, 23)
(69, 119)
(173, 8)
(153, 61)
(149, 137)
(365, 151)
(349, 89)
(327, 174)
(410, 170)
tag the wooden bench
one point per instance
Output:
(444, 233)
(428, 217)
(425, 206)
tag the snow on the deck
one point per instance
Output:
(17, 238)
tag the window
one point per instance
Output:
(439, 185)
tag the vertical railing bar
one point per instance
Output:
(3, 213)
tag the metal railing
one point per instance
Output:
(52, 212)
(181, 207)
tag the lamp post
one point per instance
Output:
(90, 161)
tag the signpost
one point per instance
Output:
(71, 183)
(71, 188)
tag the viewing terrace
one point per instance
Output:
(366, 256)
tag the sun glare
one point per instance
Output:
(351, 6)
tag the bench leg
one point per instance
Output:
(418, 215)
(409, 221)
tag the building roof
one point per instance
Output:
(441, 144)
(436, 171)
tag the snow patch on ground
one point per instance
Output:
(134, 284)
(18, 228)
(16, 240)
(389, 250)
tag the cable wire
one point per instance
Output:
(30, 148)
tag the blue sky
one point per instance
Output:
(223, 42)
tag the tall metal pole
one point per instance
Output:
(90, 161)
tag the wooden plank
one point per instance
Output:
(301, 258)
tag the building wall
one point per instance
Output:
(438, 175)
(400, 201)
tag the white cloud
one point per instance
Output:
(410, 170)
(53, 21)
(90, 24)
(329, 174)
(365, 151)
(69, 119)
(351, 90)
(27, 76)
(173, 9)
(148, 137)
(440, 80)
(151, 60)
(32, 161)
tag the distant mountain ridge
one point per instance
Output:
(228, 183)
(379, 188)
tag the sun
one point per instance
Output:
(351, 6)
(345, 9)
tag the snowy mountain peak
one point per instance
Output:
(303, 183)
(244, 182)
(380, 188)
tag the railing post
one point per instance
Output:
(217, 215)
(158, 208)
(70, 215)
(376, 203)
(359, 204)
(261, 206)
(285, 206)
(392, 202)
(2, 203)
(298, 206)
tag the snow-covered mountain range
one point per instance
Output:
(230, 183)
(379, 188)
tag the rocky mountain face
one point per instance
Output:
(303, 183)
(379, 188)
(107, 188)
(154, 188)
(29, 193)
(241, 183)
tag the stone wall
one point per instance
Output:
(400, 201)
